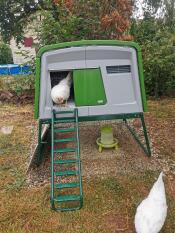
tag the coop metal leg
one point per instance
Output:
(40, 155)
(42, 139)
(146, 136)
(146, 148)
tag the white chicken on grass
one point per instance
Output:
(61, 92)
(152, 211)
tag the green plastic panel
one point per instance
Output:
(88, 87)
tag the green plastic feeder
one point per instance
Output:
(107, 139)
(107, 135)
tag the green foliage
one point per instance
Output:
(19, 84)
(170, 14)
(157, 39)
(14, 16)
(58, 31)
(5, 54)
(22, 84)
(19, 180)
(85, 20)
(60, 25)
(158, 56)
(144, 30)
(151, 7)
(159, 61)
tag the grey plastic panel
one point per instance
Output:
(113, 109)
(122, 89)
(66, 59)
(107, 53)
(66, 55)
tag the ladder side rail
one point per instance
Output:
(52, 156)
(78, 151)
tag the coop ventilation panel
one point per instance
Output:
(118, 69)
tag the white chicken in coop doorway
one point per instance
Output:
(152, 211)
(61, 92)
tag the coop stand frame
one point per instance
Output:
(42, 141)
(125, 117)
(146, 148)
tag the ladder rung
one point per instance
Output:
(67, 173)
(64, 130)
(65, 140)
(67, 185)
(72, 119)
(66, 150)
(64, 198)
(44, 142)
(63, 112)
(66, 161)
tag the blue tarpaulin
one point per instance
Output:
(12, 69)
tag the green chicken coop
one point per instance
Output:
(107, 84)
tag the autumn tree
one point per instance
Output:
(80, 19)
(115, 18)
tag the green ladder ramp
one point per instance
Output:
(66, 179)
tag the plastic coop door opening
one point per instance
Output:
(87, 88)
(56, 77)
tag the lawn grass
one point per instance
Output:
(109, 203)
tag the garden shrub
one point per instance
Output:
(18, 84)
(159, 61)
(5, 54)
(158, 50)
